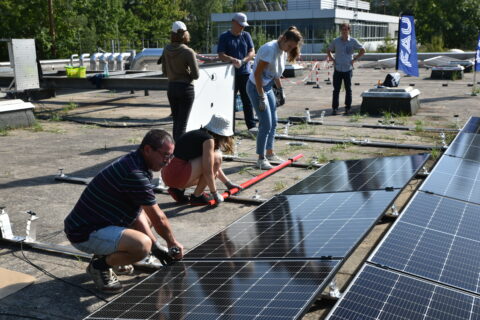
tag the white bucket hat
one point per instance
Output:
(178, 25)
(220, 126)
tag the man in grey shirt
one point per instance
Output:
(344, 48)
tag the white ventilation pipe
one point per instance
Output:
(94, 61)
(112, 61)
(121, 59)
(83, 58)
(72, 57)
(147, 58)
(103, 61)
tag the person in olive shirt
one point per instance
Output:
(197, 162)
(179, 65)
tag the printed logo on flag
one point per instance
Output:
(407, 53)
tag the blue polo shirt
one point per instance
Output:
(113, 198)
(344, 51)
(237, 47)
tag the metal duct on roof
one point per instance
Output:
(147, 59)
(94, 61)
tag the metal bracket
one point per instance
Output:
(322, 116)
(65, 178)
(31, 231)
(333, 291)
(285, 132)
(457, 125)
(6, 227)
(443, 137)
(307, 115)
(393, 212)
(236, 146)
(425, 171)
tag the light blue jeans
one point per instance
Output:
(102, 242)
(267, 119)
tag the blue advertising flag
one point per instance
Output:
(477, 56)
(407, 60)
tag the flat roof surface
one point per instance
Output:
(31, 158)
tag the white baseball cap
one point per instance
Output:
(178, 25)
(241, 18)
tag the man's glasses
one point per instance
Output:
(165, 155)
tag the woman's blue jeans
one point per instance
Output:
(267, 119)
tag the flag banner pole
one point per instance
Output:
(407, 59)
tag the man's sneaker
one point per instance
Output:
(263, 164)
(149, 263)
(105, 280)
(178, 195)
(347, 110)
(201, 200)
(125, 270)
(334, 112)
(274, 157)
(253, 130)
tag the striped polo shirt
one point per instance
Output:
(113, 198)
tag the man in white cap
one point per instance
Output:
(236, 46)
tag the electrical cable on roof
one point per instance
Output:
(54, 276)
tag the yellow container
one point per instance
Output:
(76, 72)
(82, 72)
(71, 72)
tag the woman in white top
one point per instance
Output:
(267, 69)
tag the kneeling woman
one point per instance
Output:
(197, 162)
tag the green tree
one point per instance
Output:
(388, 45)
(198, 21)
(456, 24)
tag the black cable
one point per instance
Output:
(16, 315)
(54, 276)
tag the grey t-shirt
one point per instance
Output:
(344, 51)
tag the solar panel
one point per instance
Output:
(299, 226)
(472, 125)
(382, 294)
(466, 146)
(224, 290)
(436, 238)
(456, 178)
(361, 175)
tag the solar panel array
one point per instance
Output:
(382, 294)
(361, 175)
(430, 267)
(273, 262)
(223, 290)
(299, 226)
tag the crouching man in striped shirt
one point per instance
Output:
(113, 217)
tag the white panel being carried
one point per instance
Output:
(23, 59)
(213, 95)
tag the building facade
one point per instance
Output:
(318, 20)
